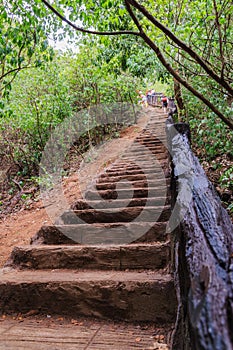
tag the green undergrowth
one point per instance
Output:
(212, 141)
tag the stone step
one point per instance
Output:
(147, 148)
(158, 130)
(150, 157)
(138, 170)
(144, 144)
(120, 203)
(157, 163)
(116, 257)
(141, 147)
(128, 214)
(146, 134)
(125, 184)
(150, 138)
(127, 193)
(159, 148)
(134, 166)
(151, 176)
(130, 296)
(147, 157)
(117, 233)
(159, 154)
(158, 172)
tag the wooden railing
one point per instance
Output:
(202, 235)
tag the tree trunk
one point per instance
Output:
(179, 100)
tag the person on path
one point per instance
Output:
(164, 103)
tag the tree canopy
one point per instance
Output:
(192, 40)
(23, 41)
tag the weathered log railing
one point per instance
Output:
(203, 253)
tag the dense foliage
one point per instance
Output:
(192, 40)
(23, 42)
(42, 99)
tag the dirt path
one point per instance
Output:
(55, 332)
(19, 227)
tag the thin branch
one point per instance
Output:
(178, 13)
(80, 29)
(181, 44)
(194, 73)
(17, 184)
(132, 15)
(220, 37)
(14, 70)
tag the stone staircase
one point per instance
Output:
(108, 257)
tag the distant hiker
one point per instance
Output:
(164, 103)
(153, 97)
(148, 96)
(172, 108)
(144, 100)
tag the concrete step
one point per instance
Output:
(116, 257)
(120, 203)
(130, 296)
(128, 214)
(150, 192)
(117, 233)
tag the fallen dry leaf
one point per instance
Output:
(76, 323)
(138, 340)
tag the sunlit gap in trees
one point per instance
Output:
(62, 40)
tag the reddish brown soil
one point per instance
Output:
(55, 332)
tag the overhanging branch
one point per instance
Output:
(157, 51)
(80, 29)
(167, 65)
(182, 45)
